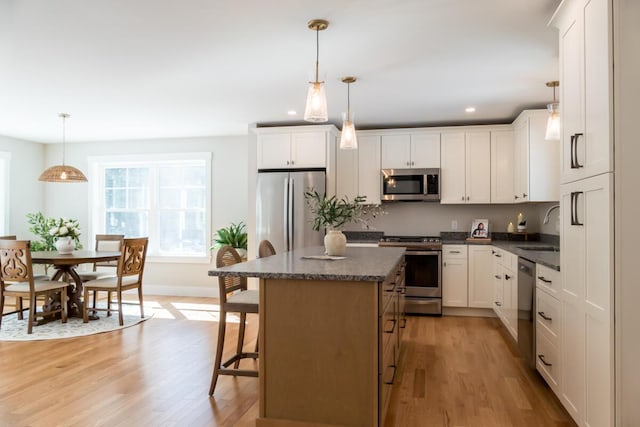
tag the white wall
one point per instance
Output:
(229, 199)
(426, 219)
(26, 193)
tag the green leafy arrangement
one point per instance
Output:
(50, 229)
(333, 213)
(234, 235)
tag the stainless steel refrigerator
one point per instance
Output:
(282, 216)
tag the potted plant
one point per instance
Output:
(234, 235)
(332, 214)
(62, 234)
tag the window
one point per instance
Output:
(165, 197)
(5, 157)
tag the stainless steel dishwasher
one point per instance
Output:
(526, 304)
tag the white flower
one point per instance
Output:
(63, 231)
(70, 225)
(53, 231)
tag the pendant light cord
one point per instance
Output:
(348, 101)
(317, 51)
(64, 136)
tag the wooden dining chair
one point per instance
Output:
(128, 276)
(16, 279)
(265, 249)
(234, 298)
(104, 242)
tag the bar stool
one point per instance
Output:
(234, 298)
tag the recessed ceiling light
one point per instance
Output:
(470, 109)
(292, 112)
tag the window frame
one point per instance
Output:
(5, 188)
(97, 208)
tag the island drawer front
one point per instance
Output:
(387, 292)
(548, 279)
(548, 315)
(387, 378)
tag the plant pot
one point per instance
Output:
(335, 243)
(65, 245)
(242, 252)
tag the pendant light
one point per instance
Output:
(316, 108)
(553, 122)
(348, 138)
(62, 173)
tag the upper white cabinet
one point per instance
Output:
(585, 88)
(535, 160)
(411, 150)
(292, 149)
(359, 170)
(465, 167)
(502, 169)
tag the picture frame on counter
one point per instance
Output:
(480, 229)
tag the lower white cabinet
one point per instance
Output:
(548, 320)
(505, 280)
(480, 276)
(454, 276)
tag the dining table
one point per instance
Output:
(66, 265)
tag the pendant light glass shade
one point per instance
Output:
(316, 108)
(62, 173)
(553, 122)
(348, 137)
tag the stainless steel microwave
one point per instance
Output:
(410, 185)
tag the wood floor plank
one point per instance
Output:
(453, 371)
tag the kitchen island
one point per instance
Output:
(329, 334)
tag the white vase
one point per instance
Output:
(242, 252)
(65, 245)
(335, 243)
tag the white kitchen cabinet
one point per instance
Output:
(411, 150)
(481, 290)
(536, 161)
(502, 167)
(505, 294)
(358, 170)
(466, 167)
(587, 300)
(292, 149)
(548, 320)
(369, 168)
(585, 88)
(454, 276)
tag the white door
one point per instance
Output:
(425, 150)
(481, 278)
(502, 169)
(478, 163)
(452, 168)
(308, 150)
(274, 151)
(396, 151)
(369, 177)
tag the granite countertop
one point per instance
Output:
(549, 259)
(361, 264)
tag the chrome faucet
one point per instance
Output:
(546, 215)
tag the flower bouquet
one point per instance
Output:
(49, 230)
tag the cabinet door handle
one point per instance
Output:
(545, 280)
(507, 277)
(412, 163)
(454, 252)
(497, 255)
(392, 328)
(545, 317)
(467, 197)
(393, 375)
(499, 304)
(463, 198)
(524, 195)
(287, 161)
(404, 323)
(493, 252)
(576, 164)
(572, 144)
(497, 277)
(444, 264)
(541, 357)
(574, 207)
(515, 197)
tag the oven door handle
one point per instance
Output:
(410, 252)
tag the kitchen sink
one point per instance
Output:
(540, 248)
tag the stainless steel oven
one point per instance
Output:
(423, 272)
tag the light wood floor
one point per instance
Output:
(454, 372)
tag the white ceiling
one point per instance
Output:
(155, 68)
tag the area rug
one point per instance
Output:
(13, 329)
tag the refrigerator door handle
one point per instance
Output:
(285, 216)
(290, 215)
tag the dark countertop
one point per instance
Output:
(361, 264)
(546, 258)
